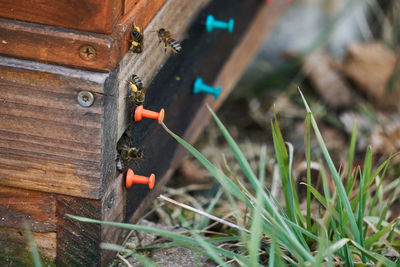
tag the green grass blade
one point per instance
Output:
(256, 226)
(377, 258)
(376, 236)
(275, 254)
(293, 192)
(307, 142)
(390, 200)
(316, 194)
(344, 254)
(339, 185)
(352, 150)
(285, 160)
(189, 241)
(330, 250)
(241, 159)
(378, 193)
(271, 259)
(32, 246)
(246, 170)
(365, 177)
(218, 174)
(283, 164)
(209, 249)
(204, 220)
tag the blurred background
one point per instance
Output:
(344, 56)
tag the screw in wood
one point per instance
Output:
(87, 52)
(85, 98)
(132, 178)
(200, 87)
(140, 112)
(212, 24)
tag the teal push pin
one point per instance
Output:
(212, 24)
(200, 87)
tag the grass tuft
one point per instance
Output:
(339, 226)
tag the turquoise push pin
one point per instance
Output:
(200, 87)
(212, 24)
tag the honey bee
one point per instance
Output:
(128, 155)
(136, 40)
(166, 37)
(137, 90)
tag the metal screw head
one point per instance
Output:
(87, 52)
(110, 200)
(85, 98)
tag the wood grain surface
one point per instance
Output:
(86, 15)
(48, 142)
(64, 46)
(19, 206)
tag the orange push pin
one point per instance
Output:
(132, 178)
(140, 112)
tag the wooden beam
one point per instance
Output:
(86, 15)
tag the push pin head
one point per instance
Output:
(132, 178)
(200, 87)
(212, 24)
(140, 112)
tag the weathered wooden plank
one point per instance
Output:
(190, 126)
(59, 238)
(113, 209)
(48, 142)
(87, 15)
(47, 77)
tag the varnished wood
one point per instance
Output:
(86, 15)
(62, 46)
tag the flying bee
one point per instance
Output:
(166, 37)
(128, 155)
(136, 40)
(137, 91)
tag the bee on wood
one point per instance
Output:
(136, 40)
(166, 37)
(128, 155)
(137, 92)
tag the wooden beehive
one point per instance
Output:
(57, 157)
